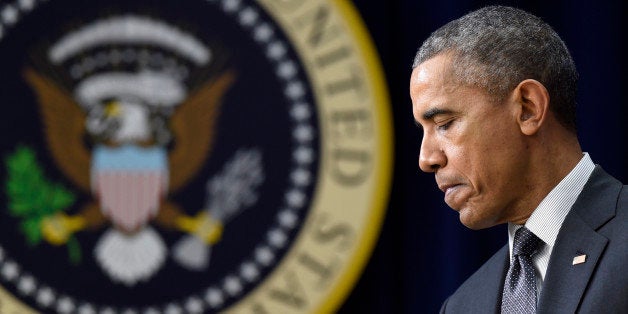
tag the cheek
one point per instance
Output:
(499, 176)
(489, 162)
(471, 167)
(485, 153)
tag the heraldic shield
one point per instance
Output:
(130, 183)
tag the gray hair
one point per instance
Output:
(497, 47)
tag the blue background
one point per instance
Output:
(424, 253)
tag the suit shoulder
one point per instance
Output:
(622, 201)
(622, 204)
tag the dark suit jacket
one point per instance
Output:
(597, 226)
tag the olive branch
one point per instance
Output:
(32, 197)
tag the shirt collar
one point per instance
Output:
(548, 217)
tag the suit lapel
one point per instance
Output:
(564, 282)
(482, 293)
(495, 282)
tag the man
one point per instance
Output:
(494, 93)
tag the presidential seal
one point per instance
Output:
(188, 157)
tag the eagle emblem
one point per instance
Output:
(129, 132)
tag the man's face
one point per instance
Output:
(474, 146)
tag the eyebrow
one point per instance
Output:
(429, 114)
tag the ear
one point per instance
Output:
(533, 100)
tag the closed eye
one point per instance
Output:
(443, 126)
(441, 117)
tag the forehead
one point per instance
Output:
(436, 70)
(432, 83)
(435, 90)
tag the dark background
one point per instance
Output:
(424, 253)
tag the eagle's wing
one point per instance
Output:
(64, 124)
(193, 127)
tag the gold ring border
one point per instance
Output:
(383, 169)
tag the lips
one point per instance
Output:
(446, 187)
(450, 188)
(450, 191)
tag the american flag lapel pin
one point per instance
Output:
(579, 259)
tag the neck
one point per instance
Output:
(553, 156)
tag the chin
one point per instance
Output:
(471, 221)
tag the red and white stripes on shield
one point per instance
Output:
(130, 198)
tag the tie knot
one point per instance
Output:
(525, 242)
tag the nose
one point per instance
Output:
(431, 157)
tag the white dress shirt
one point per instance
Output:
(548, 217)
